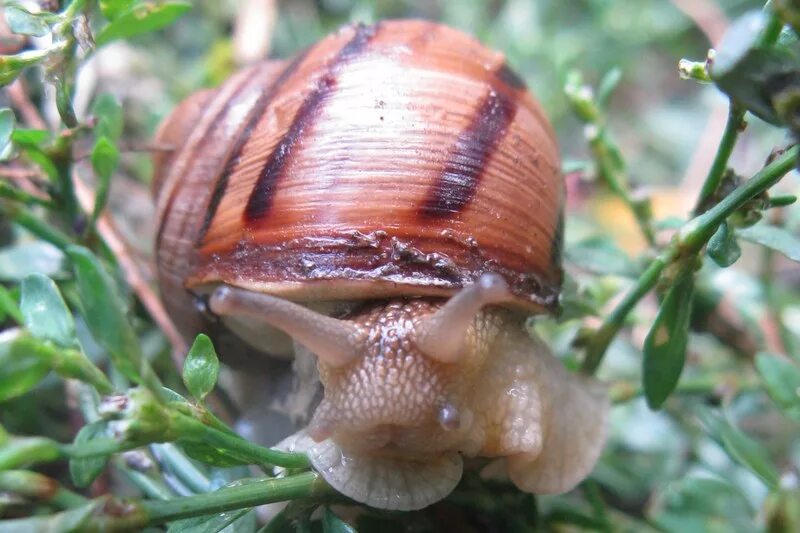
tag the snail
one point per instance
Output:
(391, 200)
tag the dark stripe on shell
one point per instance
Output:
(468, 158)
(173, 194)
(255, 116)
(260, 201)
(508, 76)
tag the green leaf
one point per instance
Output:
(46, 315)
(21, 260)
(142, 18)
(773, 237)
(29, 137)
(211, 456)
(7, 123)
(201, 367)
(103, 310)
(782, 382)
(761, 79)
(111, 9)
(333, 524)
(607, 85)
(208, 523)
(24, 22)
(22, 366)
(723, 248)
(67, 521)
(664, 348)
(104, 160)
(741, 447)
(85, 470)
(108, 113)
(9, 307)
(600, 255)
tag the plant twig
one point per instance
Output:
(689, 241)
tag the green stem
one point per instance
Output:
(603, 150)
(196, 431)
(35, 225)
(94, 448)
(733, 126)
(301, 486)
(690, 240)
(177, 463)
(720, 163)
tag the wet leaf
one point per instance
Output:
(201, 367)
(773, 237)
(740, 447)
(104, 161)
(46, 315)
(664, 348)
(723, 248)
(142, 18)
(104, 312)
(84, 471)
(211, 456)
(782, 381)
(209, 523)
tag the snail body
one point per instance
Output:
(391, 200)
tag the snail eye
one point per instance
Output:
(449, 417)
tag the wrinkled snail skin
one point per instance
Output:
(389, 200)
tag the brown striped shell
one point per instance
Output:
(399, 159)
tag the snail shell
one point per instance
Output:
(396, 165)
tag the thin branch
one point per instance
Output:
(689, 241)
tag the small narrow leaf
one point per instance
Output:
(333, 524)
(607, 85)
(723, 248)
(782, 381)
(104, 160)
(103, 310)
(201, 368)
(142, 18)
(29, 137)
(207, 524)
(7, 123)
(111, 9)
(741, 448)
(46, 315)
(773, 237)
(24, 22)
(85, 470)
(22, 364)
(9, 307)
(108, 113)
(664, 348)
